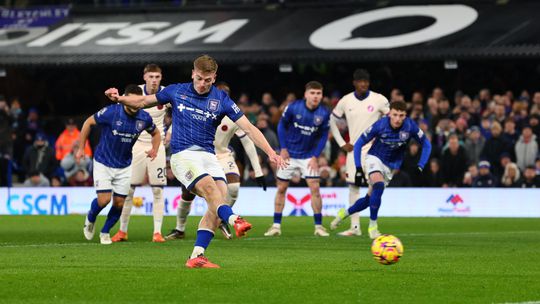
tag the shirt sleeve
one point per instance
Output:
(231, 109)
(421, 138)
(338, 110)
(385, 105)
(104, 116)
(167, 94)
(366, 137)
(150, 126)
(240, 133)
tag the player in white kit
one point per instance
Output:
(361, 108)
(224, 133)
(141, 165)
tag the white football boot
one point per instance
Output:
(320, 231)
(89, 229)
(351, 232)
(105, 239)
(273, 231)
(374, 232)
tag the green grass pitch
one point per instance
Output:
(446, 260)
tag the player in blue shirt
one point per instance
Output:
(391, 135)
(303, 133)
(197, 110)
(120, 127)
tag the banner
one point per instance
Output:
(398, 202)
(361, 32)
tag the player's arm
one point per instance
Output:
(282, 127)
(156, 140)
(366, 137)
(338, 113)
(251, 152)
(133, 101)
(426, 148)
(259, 140)
(83, 135)
(322, 141)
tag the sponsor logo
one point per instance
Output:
(37, 204)
(457, 206)
(298, 204)
(119, 123)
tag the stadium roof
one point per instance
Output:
(56, 36)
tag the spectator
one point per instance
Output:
(433, 175)
(494, 147)
(71, 165)
(526, 148)
(510, 135)
(16, 114)
(36, 179)
(511, 176)
(410, 164)
(400, 179)
(474, 144)
(470, 175)
(56, 181)
(535, 109)
(269, 134)
(534, 122)
(484, 179)
(530, 179)
(81, 178)
(6, 144)
(66, 140)
(267, 101)
(454, 163)
(40, 157)
(443, 112)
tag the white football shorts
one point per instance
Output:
(190, 166)
(374, 164)
(141, 164)
(296, 165)
(228, 163)
(108, 179)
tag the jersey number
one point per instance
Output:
(161, 172)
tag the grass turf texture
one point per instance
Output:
(446, 260)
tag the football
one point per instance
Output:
(387, 249)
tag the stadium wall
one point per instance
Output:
(399, 202)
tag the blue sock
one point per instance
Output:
(112, 218)
(318, 218)
(224, 212)
(375, 200)
(359, 205)
(277, 218)
(95, 209)
(203, 238)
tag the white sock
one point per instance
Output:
(232, 193)
(318, 226)
(126, 210)
(354, 195)
(277, 225)
(183, 212)
(158, 208)
(232, 218)
(197, 250)
(372, 223)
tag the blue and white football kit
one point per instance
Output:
(304, 133)
(112, 158)
(195, 118)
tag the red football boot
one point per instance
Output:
(241, 226)
(200, 262)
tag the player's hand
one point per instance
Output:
(359, 177)
(347, 147)
(261, 182)
(79, 154)
(278, 161)
(313, 164)
(112, 94)
(152, 154)
(284, 154)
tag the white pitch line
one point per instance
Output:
(529, 302)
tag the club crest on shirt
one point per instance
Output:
(213, 105)
(189, 175)
(183, 97)
(370, 108)
(317, 120)
(139, 125)
(403, 135)
(298, 116)
(119, 123)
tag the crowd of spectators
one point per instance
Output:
(481, 140)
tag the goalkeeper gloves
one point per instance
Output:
(359, 178)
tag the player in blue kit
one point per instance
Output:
(198, 108)
(121, 126)
(391, 135)
(303, 133)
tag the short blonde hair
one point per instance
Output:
(152, 68)
(205, 64)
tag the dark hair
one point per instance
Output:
(315, 85)
(133, 89)
(152, 68)
(361, 74)
(398, 105)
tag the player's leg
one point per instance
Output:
(103, 183)
(157, 179)
(138, 171)
(343, 213)
(112, 218)
(316, 205)
(205, 233)
(376, 180)
(279, 204)
(233, 186)
(354, 194)
(182, 214)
